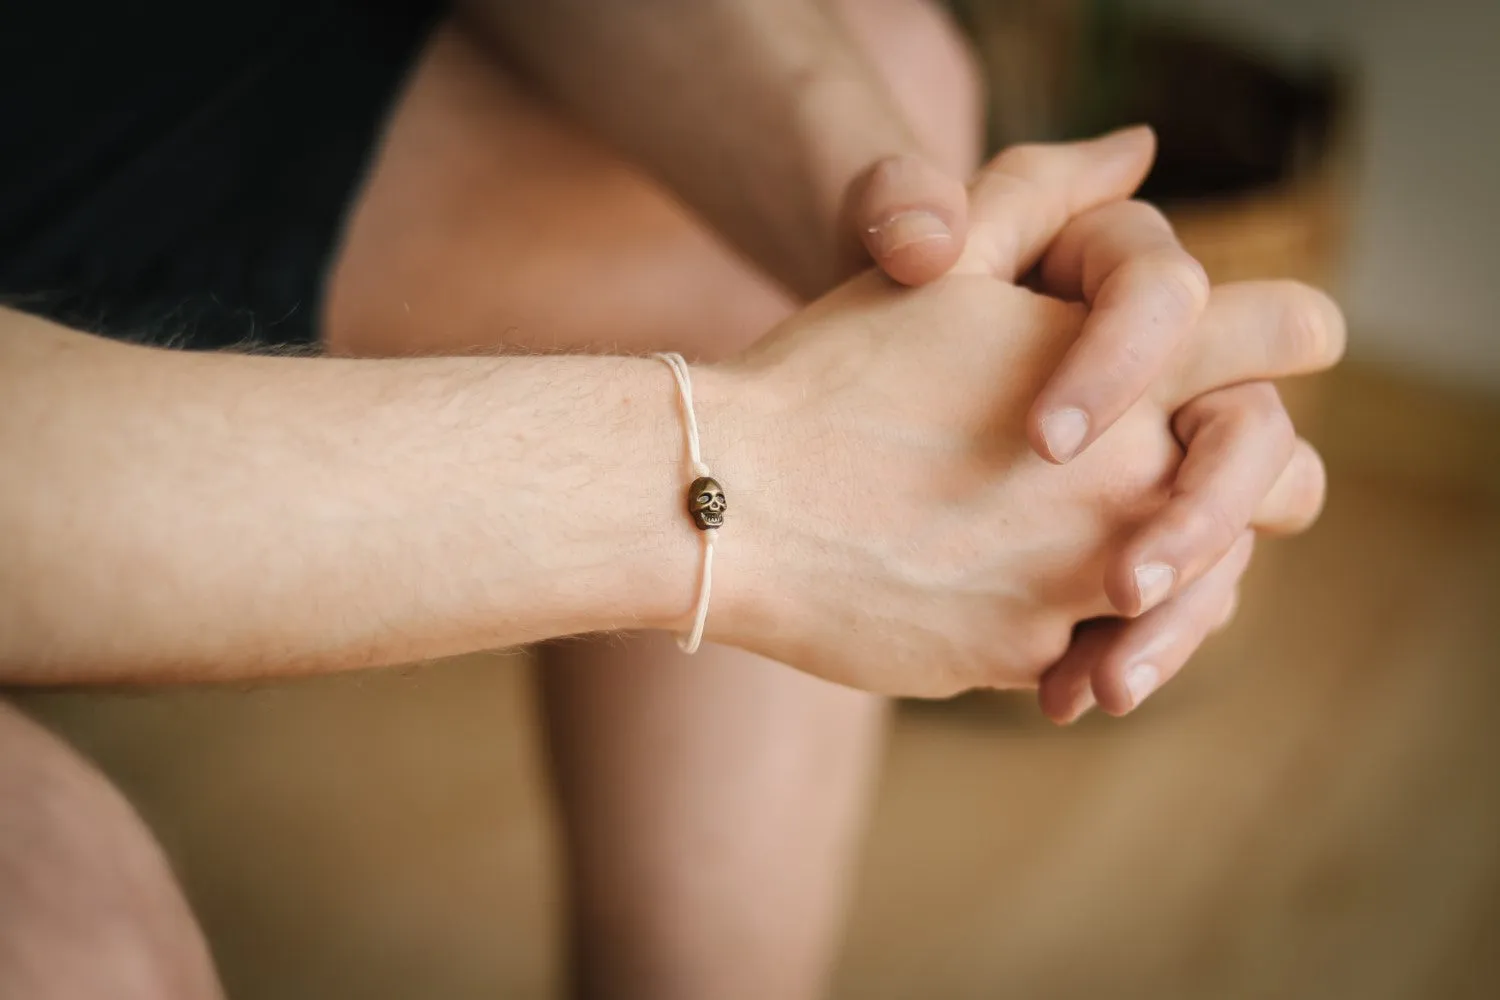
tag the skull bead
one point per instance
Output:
(706, 503)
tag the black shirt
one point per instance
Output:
(177, 170)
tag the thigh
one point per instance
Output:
(712, 811)
(712, 805)
(488, 220)
(88, 905)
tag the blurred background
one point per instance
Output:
(1312, 811)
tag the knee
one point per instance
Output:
(930, 70)
(88, 906)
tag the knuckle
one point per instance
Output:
(1147, 215)
(1174, 273)
(1215, 528)
(1267, 403)
(1249, 410)
(1135, 229)
(1262, 397)
(1182, 278)
(1259, 410)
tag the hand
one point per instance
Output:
(945, 555)
(1145, 295)
(792, 146)
(1121, 258)
(1236, 439)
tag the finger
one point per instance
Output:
(1230, 609)
(1146, 294)
(1149, 651)
(911, 217)
(1066, 691)
(1256, 330)
(1238, 442)
(1021, 200)
(1296, 500)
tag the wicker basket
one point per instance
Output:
(1237, 127)
(1252, 168)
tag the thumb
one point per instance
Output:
(910, 216)
(1021, 200)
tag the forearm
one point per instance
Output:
(210, 516)
(758, 113)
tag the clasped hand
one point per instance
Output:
(895, 517)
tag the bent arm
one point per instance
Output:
(211, 516)
(758, 113)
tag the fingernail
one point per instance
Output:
(1064, 431)
(909, 228)
(1153, 582)
(1140, 681)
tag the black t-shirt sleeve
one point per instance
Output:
(178, 171)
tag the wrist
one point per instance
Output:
(654, 579)
(592, 469)
(745, 432)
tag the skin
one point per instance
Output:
(818, 169)
(877, 194)
(81, 875)
(793, 144)
(711, 806)
(763, 143)
(976, 505)
(411, 463)
(749, 739)
(428, 456)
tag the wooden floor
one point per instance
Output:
(1313, 812)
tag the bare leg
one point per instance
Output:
(713, 808)
(88, 906)
(712, 805)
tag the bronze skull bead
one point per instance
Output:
(706, 503)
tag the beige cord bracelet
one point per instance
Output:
(705, 500)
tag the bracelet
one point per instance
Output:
(705, 500)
